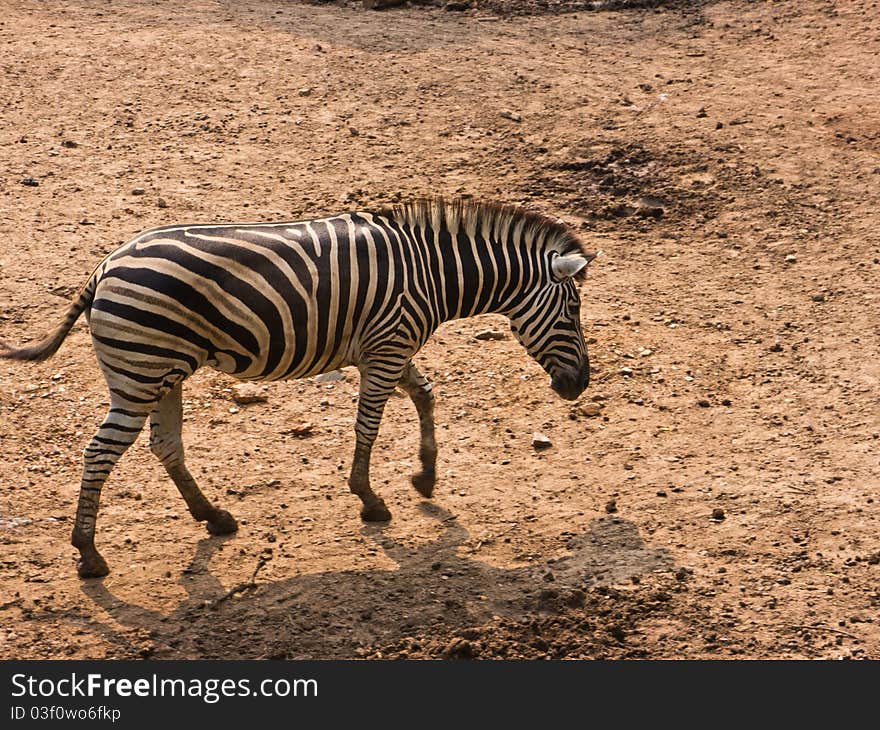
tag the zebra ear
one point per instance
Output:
(565, 267)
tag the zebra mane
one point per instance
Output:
(472, 215)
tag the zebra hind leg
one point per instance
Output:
(119, 430)
(166, 443)
(419, 390)
(378, 381)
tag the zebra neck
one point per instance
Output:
(477, 275)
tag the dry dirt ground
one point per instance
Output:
(724, 156)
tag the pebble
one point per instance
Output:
(161, 203)
(718, 514)
(646, 353)
(703, 403)
(649, 208)
(304, 92)
(457, 5)
(490, 335)
(330, 377)
(591, 409)
(540, 441)
(304, 429)
(138, 191)
(29, 182)
(70, 144)
(459, 648)
(818, 297)
(512, 116)
(791, 259)
(611, 506)
(244, 393)
(776, 347)
(626, 372)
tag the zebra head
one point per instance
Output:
(548, 325)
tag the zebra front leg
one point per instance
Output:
(419, 390)
(166, 443)
(119, 430)
(378, 380)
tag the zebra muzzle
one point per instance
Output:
(570, 385)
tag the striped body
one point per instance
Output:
(271, 301)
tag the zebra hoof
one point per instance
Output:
(92, 566)
(375, 512)
(424, 483)
(222, 524)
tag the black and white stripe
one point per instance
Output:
(271, 301)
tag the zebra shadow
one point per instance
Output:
(435, 590)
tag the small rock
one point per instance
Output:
(591, 409)
(161, 203)
(718, 514)
(701, 113)
(726, 402)
(457, 5)
(490, 335)
(244, 393)
(512, 116)
(86, 222)
(138, 191)
(776, 347)
(611, 506)
(459, 648)
(304, 429)
(719, 125)
(353, 131)
(331, 377)
(703, 403)
(649, 208)
(818, 297)
(70, 144)
(791, 259)
(304, 92)
(29, 182)
(540, 441)
(646, 353)
(626, 372)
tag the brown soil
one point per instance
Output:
(724, 156)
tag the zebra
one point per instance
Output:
(281, 300)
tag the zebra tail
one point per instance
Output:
(48, 346)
